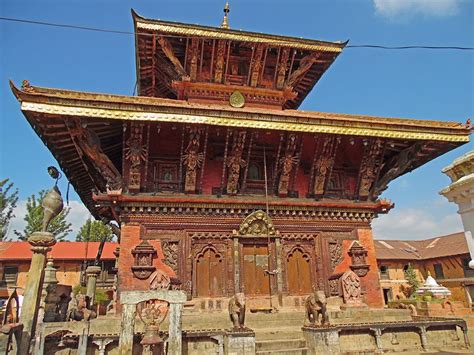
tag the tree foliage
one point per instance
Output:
(59, 226)
(412, 280)
(8, 201)
(94, 231)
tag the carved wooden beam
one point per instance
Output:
(169, 53)
(287, 164)
(194, 58)
(136, 155)
(324, 164)
(313, 166)
(249, 151)
(256, 65)
(220, 61)
(397, 166)
(297, 163)
(192, 159)
(206, 138)
(224, 162)
(282, 68)
(305, 64)
(277, 161)
(181, 158)
(235, 162)
(369, 167)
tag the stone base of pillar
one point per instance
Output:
(239, 343)
(322, 340)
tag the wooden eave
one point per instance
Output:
(328, 51)
(66, 103)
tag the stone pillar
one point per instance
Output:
(174, 331)
(92, 272)
(461, 192)
(239, 343)
(41, 243)
(236, 265)
(423, 337)
(322, 340)
(127, 329)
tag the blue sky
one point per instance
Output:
(422, 84)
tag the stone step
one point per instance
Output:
(303, 351)
(267, 345)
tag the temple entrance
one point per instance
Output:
(254, 264)
(210, 274)
(299, 272)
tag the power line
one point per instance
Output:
(95, 29)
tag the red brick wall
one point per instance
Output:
(371, 281)
(130, 238)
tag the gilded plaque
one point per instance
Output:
(237, 99)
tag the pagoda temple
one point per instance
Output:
(219, 183)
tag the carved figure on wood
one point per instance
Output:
(316, 306)
(287, 163)
(192, 160)
(78, 308)
(235, 163)
(237, 310)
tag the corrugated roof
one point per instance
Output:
(60, 251)
(452, 244)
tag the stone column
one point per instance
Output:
(92, 272)
(174, 331)
(127, 328)
(236, 265)
(41, 243)
(461, 192)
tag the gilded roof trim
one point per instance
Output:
(263, 122)
(236, 35)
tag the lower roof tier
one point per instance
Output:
(121, 144)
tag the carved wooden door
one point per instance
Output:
(209, 274)
(255, 262)
(298, 273)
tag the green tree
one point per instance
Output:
(412, 280)
(59, 226)
(8, 201)
(94, 231)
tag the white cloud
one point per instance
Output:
(411, 223)
(77, 217)
(395, 8)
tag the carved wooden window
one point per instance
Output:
(209, 274)
(165, 176)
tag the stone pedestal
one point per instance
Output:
(92, 272)
(41, 243)
(239, 343)
(322, 340)
(461, 192)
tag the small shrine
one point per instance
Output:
(431, 286)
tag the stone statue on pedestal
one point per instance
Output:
(315, 305)
(237, 310)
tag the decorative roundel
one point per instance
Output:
(237, 99)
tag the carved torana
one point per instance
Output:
(257, 223)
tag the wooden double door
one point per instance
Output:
(254, 266)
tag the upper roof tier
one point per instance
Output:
(208, 64)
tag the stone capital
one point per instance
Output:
(93, 270)
(41, 242)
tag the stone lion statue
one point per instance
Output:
(237, 310)
(315, 305)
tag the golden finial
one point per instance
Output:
(225, 21)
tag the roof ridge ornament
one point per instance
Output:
(225, 21)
